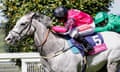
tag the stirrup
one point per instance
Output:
(85, 50)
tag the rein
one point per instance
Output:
(53, 54)
(44, 41)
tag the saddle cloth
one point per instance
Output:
(96, 40)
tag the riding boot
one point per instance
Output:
(85, 43)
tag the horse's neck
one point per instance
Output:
(53, 43)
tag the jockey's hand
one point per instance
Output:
(53, 31)
(49, 26)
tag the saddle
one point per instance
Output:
(96, 40)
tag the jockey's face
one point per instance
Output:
(63, 19)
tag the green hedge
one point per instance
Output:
(14, 9)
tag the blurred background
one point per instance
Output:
(11, 10)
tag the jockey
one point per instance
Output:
(76, 24)
(113, 22)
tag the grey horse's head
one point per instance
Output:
(24, 27)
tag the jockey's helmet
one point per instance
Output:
(60, 12)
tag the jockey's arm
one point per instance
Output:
(64, 30)
(59, 29)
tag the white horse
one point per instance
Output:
(52, 45)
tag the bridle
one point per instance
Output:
(21, 32)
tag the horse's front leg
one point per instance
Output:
(112, 67)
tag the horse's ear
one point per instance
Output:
(30, 15)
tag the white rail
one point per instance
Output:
(26, 59)
(19, 55)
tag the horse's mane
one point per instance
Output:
(46, 20)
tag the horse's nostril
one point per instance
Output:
(8, 39)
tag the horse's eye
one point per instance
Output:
(22, 23)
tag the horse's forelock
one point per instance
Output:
(26, 17)
(46, 20)
(30, 14)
